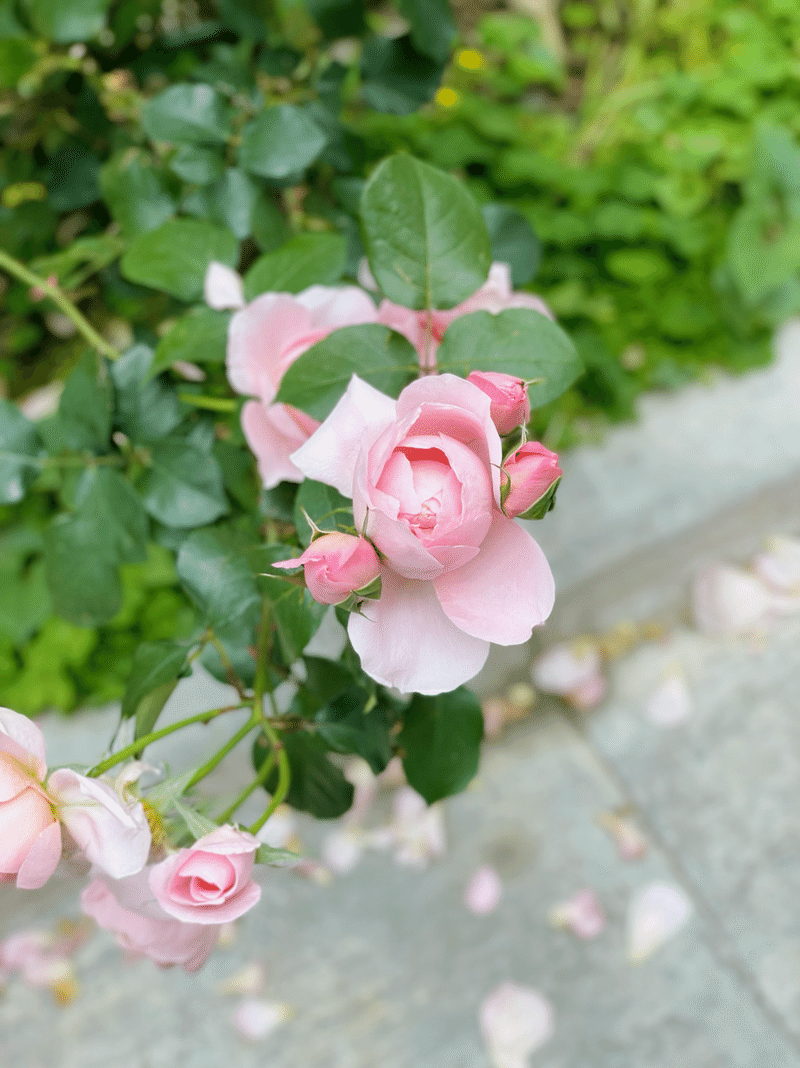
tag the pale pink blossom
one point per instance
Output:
(572, 671)
(496, 714)
(779, 565)
(528, 474)
(511, 408)
(425, 329)
(128, 909)
(630, 841)
(264, 339)
(515, 1022)
(457, 574)
(254, 1019)
(335, 566)
(670, 703)
(222, 287)
(727, 602)
(484, 891)
(417, 829)
(211, 881)
(40, 958)
(582, 914)
(656, 914)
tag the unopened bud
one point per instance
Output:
(529, 481)
(509, 396)
(336, 566)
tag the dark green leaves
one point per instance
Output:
(156, 668)
(218, 578)
(280, 142)
(64, 23)
(19, 443)
(84, 411)
(146, 410)
(432, 27)
(324, 505)
(107, 498)
(135, 192)
(512, 241)
(297, 615)
(424, 234)
(316, 381)
(175, 256)
(200, 336)
(396, 78)
(519, 342)
(441, 737)
(183, 487)
(196, 114)
(317, 786)
(197, 165)
(305, 260)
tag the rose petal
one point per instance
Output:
(330, 454)
(248, 980)
(656, 914)
(405, 640)
(582, 914)
(272, 436)
(515, 1021)
(565, 668)
(42, 859)
(27, 736)
(779, 566)
(484, 891)
(727, 601)
(670, 704)
(222, 287)
(342, 849)
(255, 1019)
(505, 592)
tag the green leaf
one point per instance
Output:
(230, 201)
(109, 499)
(317, 786)
(146, 409)
(396, 78)
(512, 241)
(175, 257)
(65, 23)
(318, 378)
(198, 824)
(195, 114)
(297, 615)
(238, 473)
(82, 573)
(269, 226)
(519, 342)
(199, 336)
(338, 18)
(183, 488)
(277, 858)
(432, 26)
(762, 254)
(84, 411)
(324, 505)
(154, 674)
(200, 166)
(16, 59)
(424, 234)
(347, 728)
(441, 737)
(135, 192)
(24, 603)
(218, 577)
(73, 182)
(280, 142)
(303, 261)
(19, 443)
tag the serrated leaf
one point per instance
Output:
(316, 381)
(217, 576)
(519, 342)
(512, 241)
(146, 410)
(198, 824)
(441, 737)
(83, 578)
(84, 410)
(135, 192)
(111, 501)
(424, 234)
(317, 786)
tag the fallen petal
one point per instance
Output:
(630, 842)
(248, 980)
(342, 849)
(255, 1019)
(565, 668)
(779, 566)
(515, 1021)
(727, 601)
(484, 891)
(671, 703)
(589, 693)
(582, 915)
(656, 914)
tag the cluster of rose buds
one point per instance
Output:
(166, 907)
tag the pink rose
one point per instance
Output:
(336, 565)
(264, 339)
(211, 881)
(426, 329)
(457, 574)
(126, 907)
(531, 469)
(30, 835)
(509, 396)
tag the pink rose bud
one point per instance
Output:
(336, 566)
(211, 882)
(509, 396)
(533, 475)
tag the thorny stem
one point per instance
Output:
(49, 289)
(217, 758)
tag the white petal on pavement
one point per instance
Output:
(656, 914)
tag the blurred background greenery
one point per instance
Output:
(637, 160)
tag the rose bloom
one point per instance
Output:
(457, 574)
(531, 469)
(335, 566)
(111, 831)
(264, 339)
(211, 881)
(127, 908)
(426, 329)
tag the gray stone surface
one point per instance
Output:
(386, 966)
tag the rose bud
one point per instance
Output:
(509, 396)
(336, 566)
(531, 478)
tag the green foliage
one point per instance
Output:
(441, 741)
